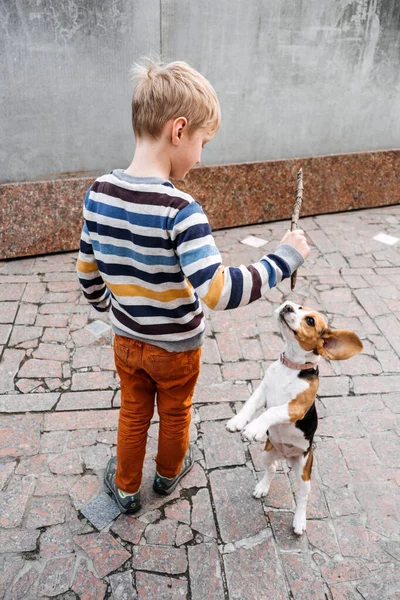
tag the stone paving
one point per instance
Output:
(61, 535)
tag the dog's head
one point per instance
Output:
(307, 328)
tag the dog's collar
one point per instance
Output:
(296, 366)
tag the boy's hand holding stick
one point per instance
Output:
(295, 216)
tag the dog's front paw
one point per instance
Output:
(261, 489)
(236, 423)
(299, 523)
(252, 432)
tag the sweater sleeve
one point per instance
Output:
(221, 287)
(92, 284)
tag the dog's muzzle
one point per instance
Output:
(286, 310)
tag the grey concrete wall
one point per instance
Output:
(295, 77)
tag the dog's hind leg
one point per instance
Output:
(270, 457)
(302, 466)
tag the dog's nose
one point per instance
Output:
(288, 309)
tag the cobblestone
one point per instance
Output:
(106, 553)
(6, 469)
(8, 310)
(210, 538)
(341, 502)
(183, 535)
(305, 583)
(122, 586)
(44, 512)
(69, 463)
(101, 511)
(52, 352)
(12, 291)
(202, 515)
(33, 465)
(40, 368)
(128, 528)
(18, 540)
(155, 586)
(205, 572)
(53, 441)
(321, 535)
(57, 332)
(57, 576)
(17, 403)
(53, 485)
(221, 448)
(86, 585)
(179, 510)
(84, 400)
(93, 381)
(162, 533)
(84, 489)
(79, 420)
(23, 583)
(20, 435)
(24, 333)
(286, 539)
(10, 566)
(264, 576)
(9, 366)
(171, 561)
(235, 520)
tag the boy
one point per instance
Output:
(147, 252)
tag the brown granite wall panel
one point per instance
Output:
(46, 216)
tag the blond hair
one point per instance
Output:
(167, 91)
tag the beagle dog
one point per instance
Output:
(288, 393)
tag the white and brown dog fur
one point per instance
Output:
(288, 392)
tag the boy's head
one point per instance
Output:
(169, 91)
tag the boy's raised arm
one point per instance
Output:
(221, 287)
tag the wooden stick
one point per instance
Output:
(295, 216)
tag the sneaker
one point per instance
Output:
(166, 485)
(127, 503)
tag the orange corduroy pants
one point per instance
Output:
(147, 373)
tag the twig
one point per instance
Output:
(295, 216)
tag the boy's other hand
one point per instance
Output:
(298, 240)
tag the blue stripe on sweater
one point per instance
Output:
(133, 218)
(85, 229)
(282, 264)
(190, 209)
(187, 258)
(145, 259)
(271, 272)
(236, 289)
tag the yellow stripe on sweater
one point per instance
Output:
(213, 295)
(121, 289)
(86, 267)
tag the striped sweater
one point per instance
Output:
(147, 252)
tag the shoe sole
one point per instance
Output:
(125, 511)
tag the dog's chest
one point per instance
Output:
(282, 385)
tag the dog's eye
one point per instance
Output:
(310, 321)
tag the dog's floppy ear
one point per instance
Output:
(339, 344)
